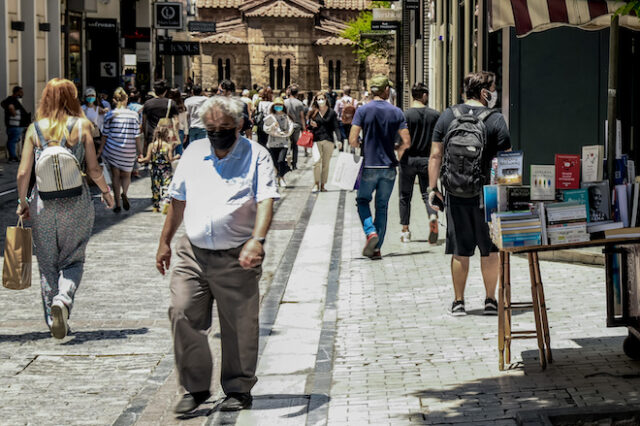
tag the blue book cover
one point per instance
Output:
(490, 193)
(578, 195)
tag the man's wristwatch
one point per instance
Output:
(261, 240)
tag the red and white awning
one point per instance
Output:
(529, 16)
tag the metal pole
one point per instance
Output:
(612, 112)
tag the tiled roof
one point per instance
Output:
(219, 4)
(333, 41)
(223, 38)
(331, 26)
(347, 4)
(279, 9)
(229, 25)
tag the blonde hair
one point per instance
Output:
(59, 101)
(164, 132)
(120, 97)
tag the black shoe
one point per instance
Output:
(377, 255)
(490, 306)
(117, 209)
(125, 202)
(457, 308)
(191, 401)
(236, 402)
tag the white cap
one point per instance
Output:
(245, 92)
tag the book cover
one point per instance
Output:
(543, 183)
(622, 204)
(490, 197)
(509, 170)
(599, 201)
(592, 163)
(518, 197)
(579, 195)
(567, 171)
(620, 173)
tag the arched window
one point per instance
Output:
(224, 69)
(334, 74)
(279, 73)
(331, 70)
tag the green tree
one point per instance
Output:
(631, 6)
(364, 47)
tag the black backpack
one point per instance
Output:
(464, 143)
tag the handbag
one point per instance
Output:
(18, 249)
(306, 139)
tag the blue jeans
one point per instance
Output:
(196, 133)
(381, 181)
(180, 148)
(13, 138)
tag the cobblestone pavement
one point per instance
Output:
(344, 340)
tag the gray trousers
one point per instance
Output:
(200, 277)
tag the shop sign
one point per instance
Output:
(202, 27)
(168, 15)
(179, 48)
(385, 25)
(101, 24)
(412, 4)
(140, 34)
(384, 14)
(108, 69)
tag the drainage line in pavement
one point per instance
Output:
(273, 297)
(318, 411)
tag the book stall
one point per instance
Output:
(570, 204)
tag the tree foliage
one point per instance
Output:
(365, 47)
(631, 6)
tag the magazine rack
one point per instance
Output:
(612, 248)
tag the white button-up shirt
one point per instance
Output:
(221, 195)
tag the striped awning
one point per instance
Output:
(529, 16)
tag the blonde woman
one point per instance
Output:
(118, 147)
(61, 226)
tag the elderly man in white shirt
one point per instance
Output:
(224, 189)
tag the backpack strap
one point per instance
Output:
(168, 109)
(43, 141)
(485, 114)
(457, 112)
(70, 126)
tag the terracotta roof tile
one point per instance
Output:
(279, 9)
(347, 4)
(331, 26)
(223, 38)
(333, 41)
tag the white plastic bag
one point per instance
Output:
(346, 171)
(106, 172)
(315, 153)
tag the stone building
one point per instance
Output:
(278, 42)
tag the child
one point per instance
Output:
(160, 155)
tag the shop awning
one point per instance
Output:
(529, 16)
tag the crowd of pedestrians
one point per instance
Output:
(224, 188)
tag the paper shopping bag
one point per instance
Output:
(346, 171)
(306, 139)
(16, 272)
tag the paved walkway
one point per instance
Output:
(344, 340)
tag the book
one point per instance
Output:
(615, 233)
(490, 197)
(542, 214)
(599, 201)
(620, 172)
(633, 205)
(622, 204)
(543, 183)
(579, 195)
(592, 163)
(509, 171)
(603, 226)
(518, 197)
(631, 171)
(567, 171)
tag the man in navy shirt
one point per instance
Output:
(381, 123)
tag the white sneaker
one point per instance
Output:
(283, 183)
(59, 313)
(405, 237)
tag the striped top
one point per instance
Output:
(121, 126)
(529, 16)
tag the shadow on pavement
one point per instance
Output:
(81, 337)
(273, 402)
(595, 373)
(25, 337)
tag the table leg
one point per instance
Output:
(543, 309)
(501, 281)
(507, 313)
(536, 310)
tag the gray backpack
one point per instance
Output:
(464, 144)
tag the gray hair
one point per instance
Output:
(230, 106)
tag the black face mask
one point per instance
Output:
(223, 139)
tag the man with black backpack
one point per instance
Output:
(465, 140)
(421, 121)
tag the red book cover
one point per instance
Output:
(567, 171)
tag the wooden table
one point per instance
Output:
(505, 334)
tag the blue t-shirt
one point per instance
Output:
(380, 122)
